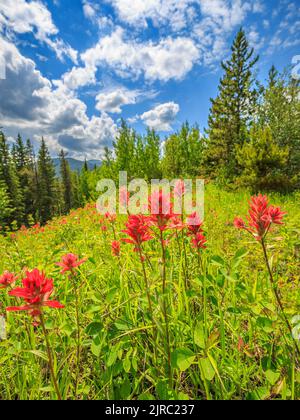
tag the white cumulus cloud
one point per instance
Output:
(161, 117)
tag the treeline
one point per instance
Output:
(252, 140)
(30, 191)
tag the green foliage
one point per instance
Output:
(183, 153)
(262, 162)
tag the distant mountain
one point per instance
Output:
(76, 165)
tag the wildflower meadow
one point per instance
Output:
(155, 307)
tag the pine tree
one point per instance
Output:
(66, 181)
(6, 208)
(232, 111)
(263, 162)
(46, 185)
(9, 178)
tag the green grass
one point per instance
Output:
(226, 336)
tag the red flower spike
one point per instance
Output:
(199, 241)
(69, 262)
(194, 224)
(161, 210)
(260, 218)
(7, 279)
(36, 292)
(138, 230)
(115, 248)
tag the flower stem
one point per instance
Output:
(277, 296)
(164, 278)
(78, 339)
(50, 358)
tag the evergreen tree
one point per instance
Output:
(46, 185)
(232, 111)
(263, 162)
(6, 208)
(9, 178)
(66, 181)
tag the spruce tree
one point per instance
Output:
(46, 184)
(66, 181)
(10, 180)
(232, 111)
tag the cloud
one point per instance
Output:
(113, 101)
(89, 10)
(170, 58)
(161, 117)
(38, 107)
(20, 17)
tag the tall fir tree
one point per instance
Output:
(46, 184)
(232, 111)
(10, 180)
(66, 182)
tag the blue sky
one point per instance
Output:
(74, 68)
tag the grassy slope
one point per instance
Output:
(227, 339)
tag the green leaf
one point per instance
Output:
(199, 336)
(96, 346)
(217, 260)
(39, 353)
(112, 357)
(127, 365)
(182, 359)
(265, 324)
(207, 369)
(239, 256)
(94, 328)
(272, 376)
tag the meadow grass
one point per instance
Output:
(227, 339)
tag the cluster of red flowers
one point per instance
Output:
(36, 292)
(195, 230)
(260, 218)
(7, 280)
(138, 229)
(37, 288)
(69, 262)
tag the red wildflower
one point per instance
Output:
(138, 230)
(110, 217)
(161, 210)
(7, 279)
(194, 224)
(69, 262)
(115, 248)
(239, 223)
(276, 215)
(199, 241)
(36, 292)
(261, 216)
